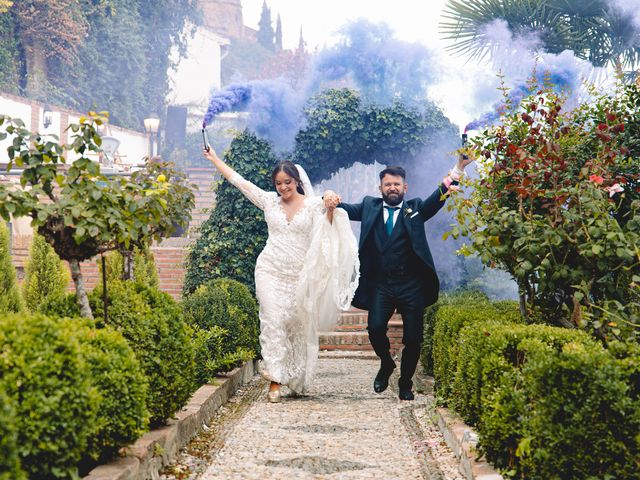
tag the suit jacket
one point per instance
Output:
(415, 212)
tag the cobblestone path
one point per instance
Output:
(341, 430)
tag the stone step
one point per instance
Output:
(356, 338)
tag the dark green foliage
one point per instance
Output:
(47, 380)
(235, 233)
(572, 413)
(9, 459)
(225, 316)
(122, 413)
(61, 307)
(152, 324)
(341, 129)
(462, 297)
(488, 351)
(9, 56)
(450, 319)
(10, 299)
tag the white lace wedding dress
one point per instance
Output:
(307, 273)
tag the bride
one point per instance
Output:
(306, 274)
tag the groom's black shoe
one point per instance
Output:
(404, 389)
(405, 395)
(381, 382)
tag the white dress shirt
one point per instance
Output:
(396, 212)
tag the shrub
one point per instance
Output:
(61, 307)
(579, 416)
(211, 355)
(227, 309)
(464, 297)
(9, 460)
(10, 299)
(151, 322)
(450, 319)
(122, 413)
(44, 374)
(489, 351)
(45, 275)
(144, 267)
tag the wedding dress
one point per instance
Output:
(306, 274)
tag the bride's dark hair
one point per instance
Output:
(290, 169)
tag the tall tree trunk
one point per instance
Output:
(83, 299)
(127, 270)
(36, 63)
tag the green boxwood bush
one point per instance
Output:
(9, 459)
(463, 297)
(152, 323)
(572, 412)
(45, 376)
(10, 298)
(122, 413)
(487, 351)
(227, 310)
(45, 274)
(450, 319)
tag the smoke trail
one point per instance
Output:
(368, 58)
(518, 59)
(231, 98)
(378, 64)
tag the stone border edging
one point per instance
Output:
(158, 448)
(460, 438)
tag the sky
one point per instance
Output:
(412, 21)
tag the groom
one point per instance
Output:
(396, 267)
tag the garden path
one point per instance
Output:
(341, 430)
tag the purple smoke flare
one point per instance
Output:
(234, 96)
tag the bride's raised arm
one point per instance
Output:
(255, 194)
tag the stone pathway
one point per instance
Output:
(341, 430)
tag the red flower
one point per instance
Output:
(597, 179)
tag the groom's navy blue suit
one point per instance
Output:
(396, 272)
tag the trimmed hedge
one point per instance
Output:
(45, 274)
(568, 413)
(450, 319)
(464, 297)
(151, 322)
(47, 380)
(487, 351)
(9, 459)
(224, 315)
(122, 415)
(10, 298)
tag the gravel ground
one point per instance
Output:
(341, 430)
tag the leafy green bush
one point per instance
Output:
(572, 412)
(450, 319)
(144, 267)
(228, 310)
(151, 322)
(463, 297)
(487, 351)
(45, 275)
(211, 355)
(61, 307)
(45, 376)
(9, 460)
(122, 414)
(10, 299)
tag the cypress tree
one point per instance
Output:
(265, 29)
(10, 300)
(278, 44)
(45, 275)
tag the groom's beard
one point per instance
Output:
(393, 199)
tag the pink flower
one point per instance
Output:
(597, 179)
(613, 189)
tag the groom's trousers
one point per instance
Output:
(406, 294)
